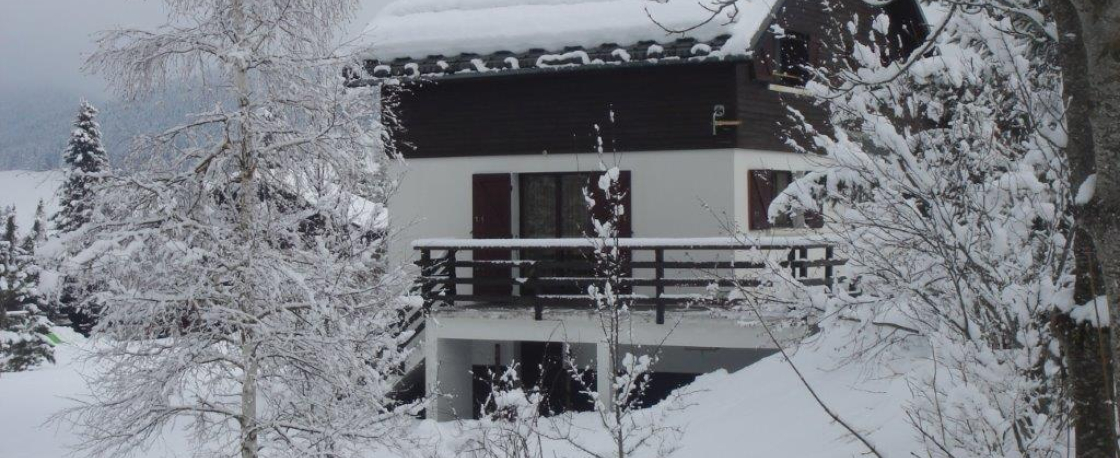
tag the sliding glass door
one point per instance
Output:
(552, 206)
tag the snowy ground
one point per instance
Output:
(764, 411)
(760, 411)
(24, 190)
(28, 400)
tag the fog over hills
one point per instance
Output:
(43, 45)
(35, 125)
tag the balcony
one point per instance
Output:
(660, 274)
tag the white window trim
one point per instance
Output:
(789, 89)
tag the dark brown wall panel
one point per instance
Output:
(656, 108)
(764, 113)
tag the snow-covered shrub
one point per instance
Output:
(511, 416)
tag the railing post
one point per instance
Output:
(828, 267)
(538, 309)
(425, 278)
(790, 259)
(452, 275)
(515, 272)
(530, 284)
(659, 289)
(803, 253)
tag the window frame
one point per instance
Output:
(795, 75)
(762, 189)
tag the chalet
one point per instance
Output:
(499, 107)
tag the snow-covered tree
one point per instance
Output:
(38, 233)
(85, 162)
(245, 295)
(516, 422)
(949, 194)
(23, 326)
(631, 429)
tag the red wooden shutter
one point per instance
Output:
(490, 205)
(760, 192)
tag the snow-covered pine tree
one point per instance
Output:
(38, 233)
(50, 306)
(245, 295)
(23, 327)
(85, 162)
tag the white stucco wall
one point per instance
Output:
(669, 190)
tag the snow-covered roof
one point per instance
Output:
(555, 32)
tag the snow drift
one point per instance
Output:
(762, 410)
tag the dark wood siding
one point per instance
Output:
(764, 113)
(655, 108)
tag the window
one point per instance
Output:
(552, 205)
(792, 58)
(762, 187)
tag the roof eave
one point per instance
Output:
(499, 73)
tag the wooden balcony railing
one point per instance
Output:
(660, 273)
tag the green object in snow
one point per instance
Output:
(55, 340)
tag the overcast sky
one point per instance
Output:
(43, 42)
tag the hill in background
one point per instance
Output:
(23, 190)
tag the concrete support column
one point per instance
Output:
(431, 370)
(603, 374)
(448, 376)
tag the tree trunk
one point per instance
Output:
(1087, 356)
(1103, 213)
(1089, 351)
(248, 403)
(246, 199)
(1095, 70)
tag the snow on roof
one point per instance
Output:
(420, 28)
